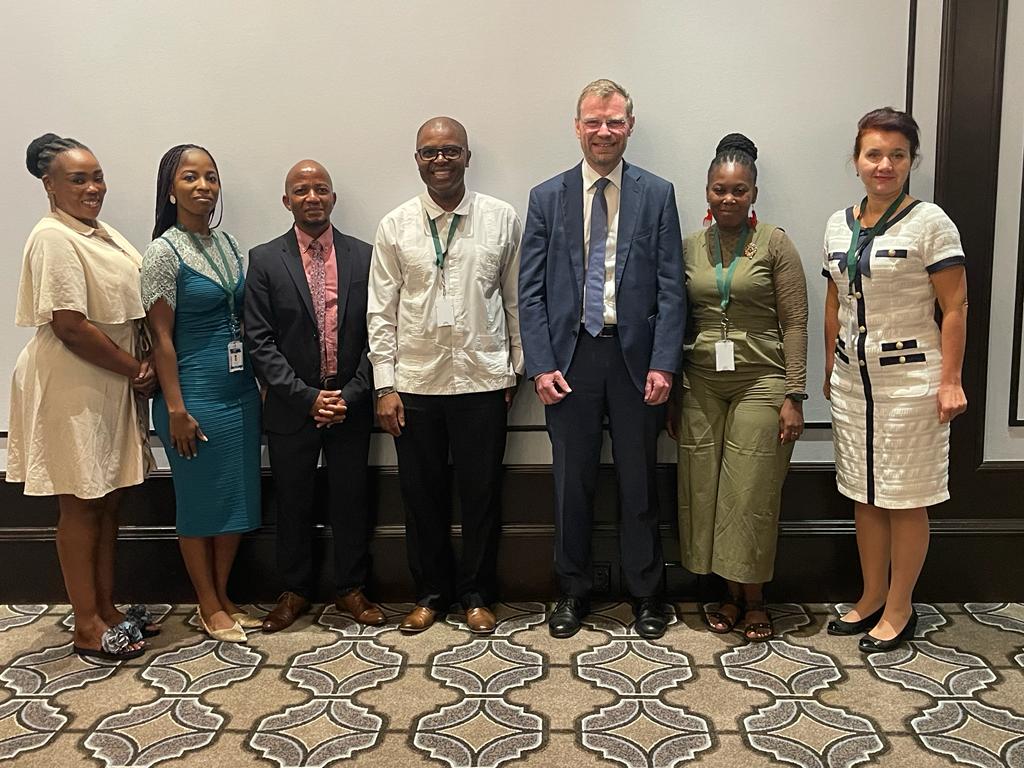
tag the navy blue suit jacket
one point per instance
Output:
(650, 298)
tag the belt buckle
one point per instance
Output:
(329, 382)
(608, 331)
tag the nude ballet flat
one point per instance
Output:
(245, 621)
(233, 634)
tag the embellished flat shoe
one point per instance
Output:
(139, 615)
(869, 644)
(840, 627)
(245, 621)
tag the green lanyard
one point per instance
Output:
(879, 228)
(437, 240)
(222, 275)
(725, 283)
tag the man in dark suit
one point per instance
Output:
(602, 310)
(305, 328)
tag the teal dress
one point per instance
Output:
(217, 491)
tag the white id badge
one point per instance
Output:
(725, 358)
(236, 362)
(443, 312)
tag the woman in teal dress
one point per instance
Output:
(208, 412)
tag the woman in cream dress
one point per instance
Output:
(891, 372)
(75, 431)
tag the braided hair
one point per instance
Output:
(166, 211)
(735, 148)
(42, 151)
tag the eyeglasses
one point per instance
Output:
(449, 152)
(615, 125)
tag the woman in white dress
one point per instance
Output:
(891, 372)
(75, 431)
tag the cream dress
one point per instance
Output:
(74, 427)
(891, 450)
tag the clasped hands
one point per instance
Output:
(144, 382)
(329, 408)
(552, 387)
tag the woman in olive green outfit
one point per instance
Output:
(739, 404)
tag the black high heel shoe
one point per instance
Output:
(840, 627)
(869, 644)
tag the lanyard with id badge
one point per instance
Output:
(853, 260)
(444, 313)
(725, 350)
(236, 360)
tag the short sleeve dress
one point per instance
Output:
(218, 491)
(891, 451)
(75, 427)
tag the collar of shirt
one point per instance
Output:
(78, 226)
(326, 240)
(436, 212)
(590, 176)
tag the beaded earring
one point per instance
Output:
(753, 219)
(708, 219)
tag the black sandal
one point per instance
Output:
(758, 631)
(717, 617)
(139, 615)
(115, 644)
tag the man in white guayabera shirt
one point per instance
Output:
(443, 324)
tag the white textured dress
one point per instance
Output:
(890, 449)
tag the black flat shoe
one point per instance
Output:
(651, 621)
(840, 627)
(567, 617)
(869, 644)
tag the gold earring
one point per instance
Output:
(174, 200)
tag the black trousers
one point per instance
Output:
(293, 460)
(473, 428)
(601, 385)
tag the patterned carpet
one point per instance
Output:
(333, 691)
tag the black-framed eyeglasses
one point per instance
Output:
(449, 152)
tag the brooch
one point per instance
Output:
(750, 251)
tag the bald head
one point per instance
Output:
(447, 125)
(305, 167)
(309, 195)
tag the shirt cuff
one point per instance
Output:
(383, 375)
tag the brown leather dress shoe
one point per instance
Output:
(419, 618)
(289, 607)
(480, 620)
(359, 608)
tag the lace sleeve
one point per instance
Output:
(159, 275)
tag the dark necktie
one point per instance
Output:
(318, 291)
(593, 313)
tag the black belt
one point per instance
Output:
(606, 332)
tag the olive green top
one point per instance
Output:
(767, 312)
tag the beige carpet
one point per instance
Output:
(332, 692)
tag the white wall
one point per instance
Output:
(1003, 442)
(263, 84)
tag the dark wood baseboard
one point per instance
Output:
(971, 557)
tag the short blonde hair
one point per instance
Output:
(604, 88)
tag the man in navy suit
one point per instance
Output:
(602, 310)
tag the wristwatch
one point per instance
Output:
(385, 391)
(797, 397)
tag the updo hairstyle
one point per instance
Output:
(735, 148)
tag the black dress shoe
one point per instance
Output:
(567, 618)
(840, 627)
(651, 620)
(869, 644)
